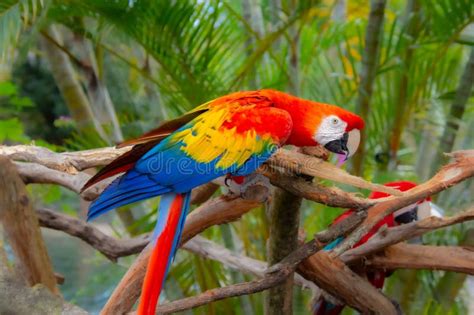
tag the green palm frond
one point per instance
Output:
(15, 16)
(445, 19)
(192, 43)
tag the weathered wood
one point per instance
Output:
(284, 223)
(407, 256)
(331, 275)
(17, 298)
(110, 247)
(22, 228)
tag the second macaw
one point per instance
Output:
(234, 135)
(420, 210)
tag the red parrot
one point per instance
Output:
(231, 135)
(420, 210)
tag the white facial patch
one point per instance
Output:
(331, 128)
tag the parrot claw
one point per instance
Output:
(251, 187)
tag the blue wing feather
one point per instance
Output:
(166, 168)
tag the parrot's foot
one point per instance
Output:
(250, 187)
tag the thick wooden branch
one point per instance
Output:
(407, 256)
(331, 196)
(300, 163)
(333, 276)
(40, 174)
(109, 246)
(225, 292)
(68, 162)
(22, 229)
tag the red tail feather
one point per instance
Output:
(159, 258)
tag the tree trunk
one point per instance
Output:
(252, 14)
(402, 111)
(369, 68)
(284, 222)
(22, 229)
(69, 86)
(456, 112)
(97, 92)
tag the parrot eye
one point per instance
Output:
(335, 121)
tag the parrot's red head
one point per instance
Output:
(337, 129)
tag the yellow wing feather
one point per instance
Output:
(206, 139)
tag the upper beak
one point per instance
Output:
(347, 145)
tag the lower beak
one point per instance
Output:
(347, 145)
(339, 146)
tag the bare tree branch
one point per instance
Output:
(334, 277)
(109, 246)
(209, 249)
(407, 256)
(300, 163)
(225, 292)
(390, 236)
(69, 162)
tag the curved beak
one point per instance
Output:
(417, 212)
(347, 145)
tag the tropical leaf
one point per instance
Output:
(15, 15)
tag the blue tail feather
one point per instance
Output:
(128, 188)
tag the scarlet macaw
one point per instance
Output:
(420, 210)
(234, 135)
